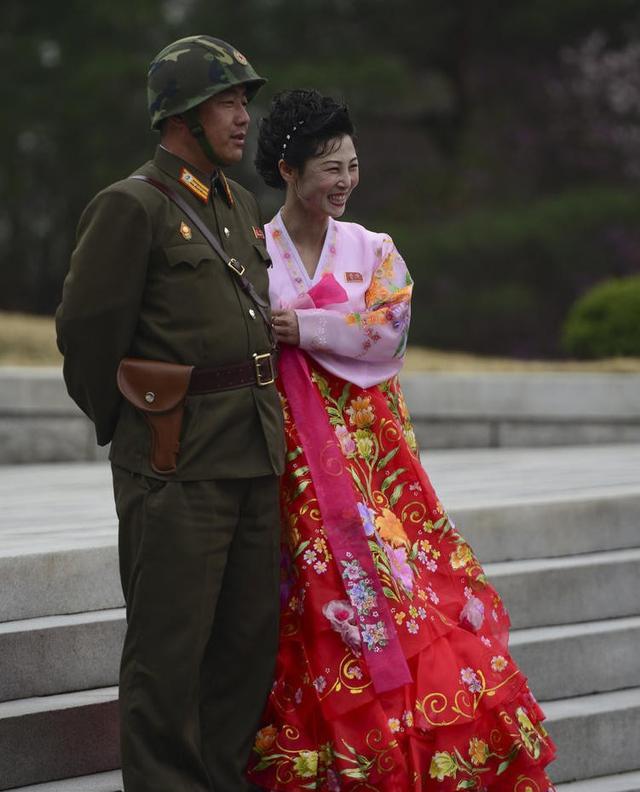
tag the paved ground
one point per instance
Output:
(31, 495)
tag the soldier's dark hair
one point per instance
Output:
(311, 121)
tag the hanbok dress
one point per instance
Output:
(393, 671)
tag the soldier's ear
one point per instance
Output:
(287, 172)
(173, 127)
(175, 122)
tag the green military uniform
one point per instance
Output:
(199, 548)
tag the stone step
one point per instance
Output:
(547, 528)
(58, 560)
(550, 591)
(60, 654)
(65, 581)
(596, 735)
(621, 782)
(486, 477)
(100, 782)
(54, 581)
(57, 737)
(579, 659)
(112, 782)
(58, 563)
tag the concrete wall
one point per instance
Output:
(516, 409)
(39, 423)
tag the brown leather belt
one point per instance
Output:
(260, 371)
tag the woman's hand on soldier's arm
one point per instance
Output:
(286, 328)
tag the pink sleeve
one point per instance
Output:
(377, 333)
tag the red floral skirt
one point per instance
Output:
(468, 720)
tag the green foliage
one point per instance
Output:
(605, 322)
(502, 281)
(75, 119)
(453, 110)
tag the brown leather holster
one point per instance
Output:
(158, 390)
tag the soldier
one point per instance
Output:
(199, 545)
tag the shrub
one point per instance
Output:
(605, 322)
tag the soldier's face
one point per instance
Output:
(326, 181)
(225, 121)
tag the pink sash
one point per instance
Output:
(341, 518)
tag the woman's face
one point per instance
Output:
(326, 181)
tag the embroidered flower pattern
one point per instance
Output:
(368, 517)
(399, 566)
(472, 614)
(394, 725)
(478, 751)
(265, 738)
(391, 529)
(306, 765)
(443, 765)
(432, 595)
(375, 636)
(498, 663)
(320, 683)
(347, 443)
(471, 680)
(362, 596)
(427, 574)
(364, 444)
(387, 303)
(461, 556)
(412, 626)
(361, 413)
(290, 256)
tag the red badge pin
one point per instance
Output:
(258, 233)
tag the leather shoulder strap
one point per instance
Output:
(232, 264)
(179, 201)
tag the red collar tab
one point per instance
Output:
(226, 190)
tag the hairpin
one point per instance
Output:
(288, 138)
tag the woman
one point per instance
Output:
(393, 671)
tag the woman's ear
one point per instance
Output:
(287, 172)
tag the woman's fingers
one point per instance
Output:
(285, 325)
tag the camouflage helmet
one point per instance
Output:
(189, 71)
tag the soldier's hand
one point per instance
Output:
(285, 325)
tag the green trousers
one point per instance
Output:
(199, 563)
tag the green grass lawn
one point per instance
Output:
(30, 341)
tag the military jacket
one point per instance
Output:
(144, 283)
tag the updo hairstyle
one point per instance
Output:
(299, 126)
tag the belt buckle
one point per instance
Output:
(236, 266)
(258, 360)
